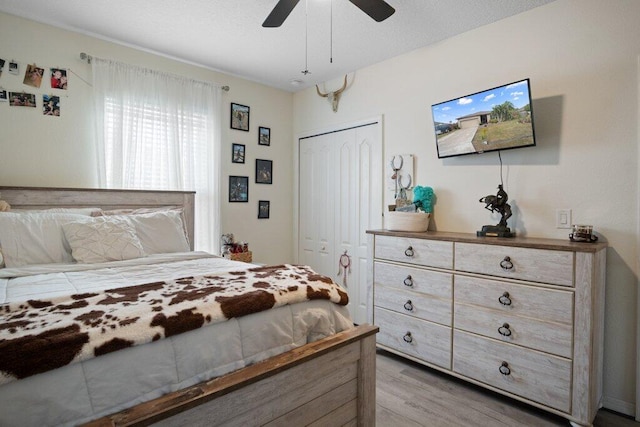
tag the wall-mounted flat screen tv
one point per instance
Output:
(495, 119)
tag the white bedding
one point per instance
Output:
(49, 280)
(115, 381)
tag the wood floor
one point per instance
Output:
(410, 395)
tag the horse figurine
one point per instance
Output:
(498, 203)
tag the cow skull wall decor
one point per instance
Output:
(334, 97)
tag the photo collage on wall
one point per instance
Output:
(239, 184)
(34, 77)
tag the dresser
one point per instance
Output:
(519, 316)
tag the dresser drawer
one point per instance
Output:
(430, 253)
(537, 376)
(552, 305)
(414, 304)
(427, 341)
(536, 265)
(555, 338)
(403, 277)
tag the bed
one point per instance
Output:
(301, 362)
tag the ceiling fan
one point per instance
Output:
(378, 10)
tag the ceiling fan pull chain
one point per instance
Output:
(331, 36)
(306, 35)
(306, 38)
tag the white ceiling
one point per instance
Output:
(227, 35)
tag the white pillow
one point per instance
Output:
(102, 240)
(35, 238)
(140, 211)
(159, 232)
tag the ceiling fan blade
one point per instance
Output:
(379, 10)
(279, 13)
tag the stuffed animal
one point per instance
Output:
(423, 198)
(4, 206)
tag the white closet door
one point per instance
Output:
(341, 181)
(317, 209)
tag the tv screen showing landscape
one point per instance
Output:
(495, 119)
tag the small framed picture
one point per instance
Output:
(237, 153)
(21, 99)
(13, 67)
(263, 209)
(264, 136)
(238, 188)
(58, 78)
(33, 75)
(3, 95)
(50, 105)
(239, 117)
(264, 171)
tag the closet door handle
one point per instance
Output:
(504, 330)
(408, 281)
(505, 299)
(409, 251)
(504, 369)
(408, 338)
(408, 305)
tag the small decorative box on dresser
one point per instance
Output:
(520, 316)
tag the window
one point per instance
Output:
(158, 131)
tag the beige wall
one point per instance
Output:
(37, 150)
(582, 59)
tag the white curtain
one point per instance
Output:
(159, 131)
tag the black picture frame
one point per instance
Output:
(240, 117)
(237, 153)
(238, 189)
(264, 136)
(264, 206)
(264, 171)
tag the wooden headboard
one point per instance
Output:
(44, 198)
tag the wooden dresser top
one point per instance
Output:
(525, 242)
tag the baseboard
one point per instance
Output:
(617, 405)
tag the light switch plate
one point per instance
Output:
(563, 218)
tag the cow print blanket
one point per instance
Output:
(40, 335)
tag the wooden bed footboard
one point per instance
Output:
(328, 382)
